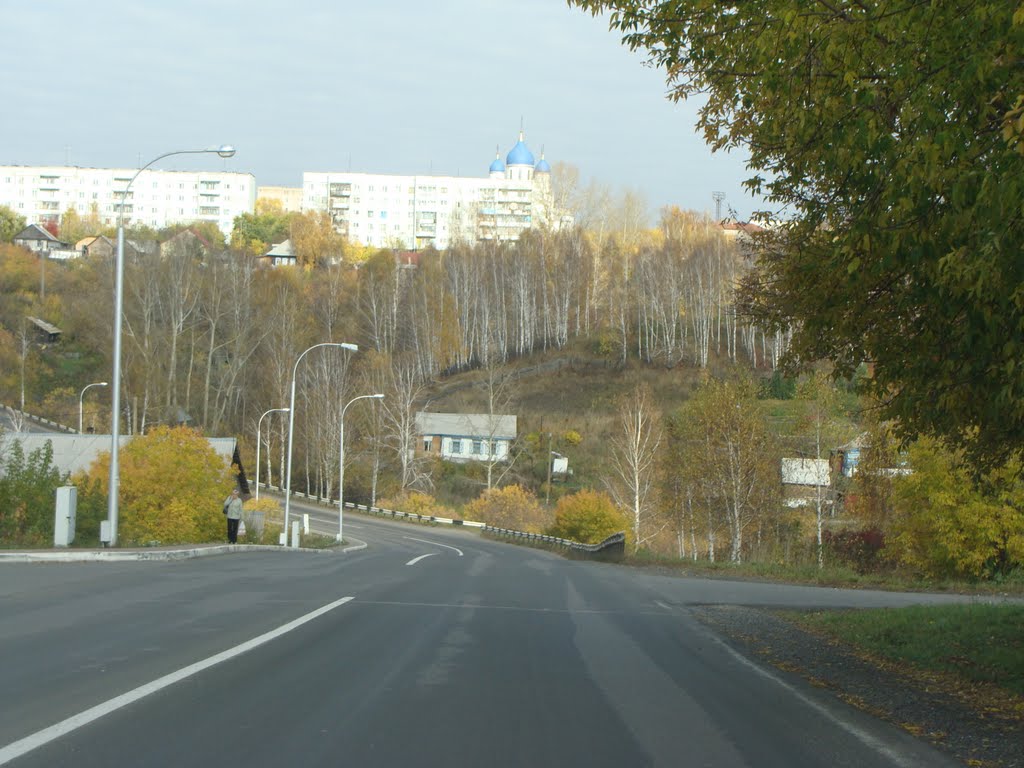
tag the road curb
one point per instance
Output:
(121, 556)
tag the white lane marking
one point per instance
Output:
(39, 738)
(413, 538)
(865, 738)
(417, 559)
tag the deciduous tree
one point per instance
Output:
(825, 430)
(947, 523)
(11, 224)
(634, 453)
(589, 517)
(511, 507)
(891, 134)
(27, 487)
(172, 486)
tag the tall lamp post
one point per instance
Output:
(258, 423)
(291, 426)
(341, 464)
(115, 396)
(94, 384)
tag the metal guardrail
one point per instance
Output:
(612, 548)
(38, 419)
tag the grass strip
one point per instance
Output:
(976, 642)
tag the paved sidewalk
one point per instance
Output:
(179, 552)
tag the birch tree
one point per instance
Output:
(825, 431)
(634, 456)
(737, 459)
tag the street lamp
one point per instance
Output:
(258, 423)
(224, 150)
(341, 464)
(94, 384)
(291, 425)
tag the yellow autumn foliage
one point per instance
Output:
(172, 488)
(511, 507)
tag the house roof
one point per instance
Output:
(187, 234)
(466, 425)
(733, 227)
(282, 251)
(43, 325)
(860, 441)
(805, 472)
(35, 232)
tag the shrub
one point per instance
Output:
(28, 490)
(416, 503)
(947, 522)
(258, 515)
(511, 507)
(857, 549)
(572, 437)
(173, 486)
(778, 387)
(588, 517)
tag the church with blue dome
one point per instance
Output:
(414, 212)
(520, 164)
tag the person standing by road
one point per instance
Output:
(233, 511)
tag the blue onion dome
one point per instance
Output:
(542, 164)
(497, 166)
(520, 154)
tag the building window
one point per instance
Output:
(456, 446)
(477, 447)
(427, 444)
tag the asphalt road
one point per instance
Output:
(433, 647)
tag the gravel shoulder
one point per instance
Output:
(979, 725)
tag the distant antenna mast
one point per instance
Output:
(718, 197)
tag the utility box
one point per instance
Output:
(64, 521)
(559, 464)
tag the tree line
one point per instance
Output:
(211, 336)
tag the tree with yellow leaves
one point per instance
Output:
(172, 486)
(511, 507)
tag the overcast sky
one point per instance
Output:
(379, 86)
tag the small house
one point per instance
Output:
(280, 254)
(463, 437)
(46, 332)
(38, 240)
(98, 246)
(186, 242)
(804, 481)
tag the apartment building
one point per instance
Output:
(413, 212)
(157, 198)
